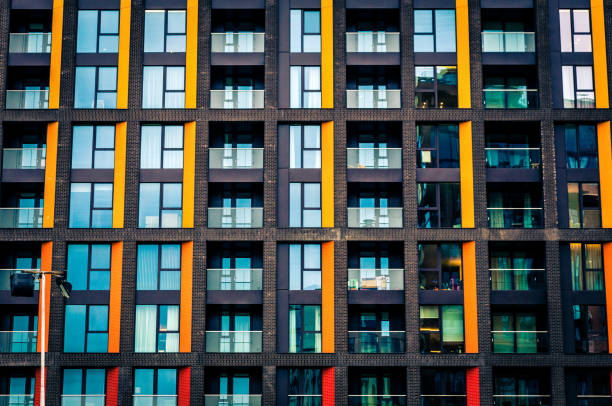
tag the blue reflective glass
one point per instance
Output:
(98, 318)
(143, 381)
(84, 87)
(73, 382)
(78, 255)
(173, 194)
(79, 205)
(166, 381)
(312, 195)
(109, 22)
(87, 31)
(445, 31)
(170, 280)
(82, 145)
(107, 79)
(147, 267)
(95, 381)
(295, 266)
(97, 342)
(171, 256)
(152, 90)
(101, 218)
(423, 21)
(74, 328)
(103, 195)
(100, 256)
(99, 280)
(177, 21)
(154, 31)
(295, 205)
(312, 22)
(148, 208)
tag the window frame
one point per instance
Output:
(94, 148)
(437, 70)
(572, 32)
(432, 33)
(584, 328)
(303, 208)
(439, 268)
(435, 129)
(155, 383)
(303, 269)
(301, 331)
(84, 380)
(163, 148)
(439, 307)
(575, 90)
(581, 204)
(158, 331)
(438, 208)
(302, 31)
(164, 90)
(92, 207)
(584, 270)
(86, 329)
(99, 34)
(577, 129)
(304, 94)
(161, 207)
(96, 88)
(160, 268)
(165, 33)
(89, 262)
(302, 148)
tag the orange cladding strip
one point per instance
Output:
(470, 310)
(46, 257)
(114, 308)
(55, 66)
(191, 58)
(327, 296)
(189, 174)
(327, 174)
(50, 169)
(123, 65)
(463, 54)
(467, 174)
(119, 178)
(327, 54)
(186, 296)
(607, 262)
(600, 65)
(604, 145)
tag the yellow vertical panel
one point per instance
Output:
(605, 173)
(123, 67)
(191, 59)
(467, 174)
(463, 54)
(327, 174)
(186, 296)
(189, 174)
(327, 296)
(607, 263)
(600, 65)
(50, 172)
(469, 297)
(46, 257)
(114, 307)
(55, 67)
(327, 54)
(119, 178)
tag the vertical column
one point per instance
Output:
(123, 65)
(37, 384)
(328, 385)
(55, 67)
(50, 173)
(327, 54)
(466, 174)
(46, 255)
(119, 175)
(605, 170)
(463, 54)
(114, 308)
(191, 57)
(189, 174)
(472, 386)
(600, 65)
(327, 174)
(607, 263)
(469, 297)
(112, 386)
(186, 296)
(327, 296)
(184, 386)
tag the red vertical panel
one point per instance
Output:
(37, 387)
(112, 386)
(184, 386)
(472, 383)
(329, 391)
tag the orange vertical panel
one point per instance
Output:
(467, 174)
(55, 66)
(472, 386)
(186, 296)
(191, 57)
(327, 296)
(119, 178)
(50, 171)
(607, 260)
(189, 174)
(123, 64)
(470, 310)
(600, 63)
(327, 54)
(114, 308)
(46, 257)
(463, 54)
(327, 174)
(604, 147)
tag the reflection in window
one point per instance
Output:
(86, 328)
(578, 87)
(437, 146)
(305, 35)
(304, 328)
(91, 205)
(304, 204)
(586, 266)
(151, 383)
(590, 329)
(158, 267)
(584, 205)
(439, 205)
(441, 329)
(89, 266)
(93, 147)
(434, 31)
(163, 87)
(305, 146)
(160, 205)
(98, 31)
(440, 267)
(575, 28)
(581, 146)
(157, 328)
(305, 91)
(165, 30)
(95, 87)
(304, 266)
(90, 382)
(436, 86)
(161, 147)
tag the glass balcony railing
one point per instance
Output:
(518, 279)
(523, 400)
(374, 158)
(372, 41)
(510, 98)
(376, 342)
(500, 217)
(237, 99)
(234, 279)
(232, 400)
(233, 42)
(594, 400)
(509, 41)
(374, 99)
(24, 158)
(235, 158)
(17, 400)
(375, 217)
(443, 400)
(233, 341)
(375, 279)
(376, 400)
(235, 217)
(18, 341)
(83, 400)
(27, 99)
(305, 400)
(519, 342)
(30, 43)
(21, 217)
(514, 158)
(5, 278)
(155, 400)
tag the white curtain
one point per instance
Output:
(152, 92)
(150, 147)
(146, 323)
(146, 275)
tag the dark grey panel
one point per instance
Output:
(23, 175)
(373, 175)
(6, 298)
(92, 175)
(100, 5)
(311, 58)
(440, 297)
(373, 58)
(166, 4)
(588, 297)
(574, 3)
(32, 4)
(305, 3)
(434, 4)
(435, 58)
(513, 175)
(97, 59)
(88, 297)
(372, 3)
(509, 58)
(158, 297)
(161, 175)
(506, 3)
(518, 297)
(376, 297)
(238, 4)
(235, 175)
(234, 297)
(304, 297)
(15, 59)
(438, 175)
(304, 175)
(162, 58)
(582, 175)
(576, 58)
(237, 59)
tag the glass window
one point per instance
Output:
(88, 266)
(95, 87)
(98, 31)
(590, 329)
(305, 90)
(304, 328)
(160, 382)
(165, 30)
(586, 264)
(305, 35)
(517, 332)
(163, 87)
(304, 266)
(304, 205)
(86, 328)
(439, 205)
(584, 205)
(91, 205)
(158, 267)
(581, 146)
(575, 28)
(305, 146)
(445, 384)
(578, 87)
(437, 146)
(436, 86)
(305, 382)
(161, 147)
(441, 329)
(434, 31)
(93, 147)
(160, 200)
(157, 328)
(440, 267)
(90, 382)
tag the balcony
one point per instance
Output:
(375, 279)
(375, 217)
(234, 279)
(376, 342)
(512, 217)
(154, 400)
(508, 279)
(237, 99)
(373, 99)
(372, 41)
(519, 342)
(494, 41)
(17, 400)
(305, 400)
(237, 42)
(374, 158)
(86, 400)
(377, 400)
(233, 341)
(235, 217)
(232, 400)
(513, 158)
(21, 217)
(530, 400)
(235, 158)
(18, 341)
(27, 99)
(24, 158)
(510, 98)
(30, 43)
(443, 400)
